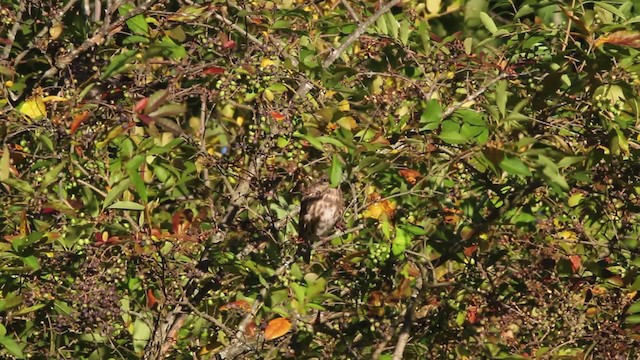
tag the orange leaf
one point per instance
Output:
(576, 262)
(410, 175)
(468, 251)
(276, 328)
(151, 299)
(472, 314)
(78, 119)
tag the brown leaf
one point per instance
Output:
(240, 304)
(213, 70)
(276, 328)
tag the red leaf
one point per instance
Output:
(48, 210)
(151, 299)
(145, 118)
(276, 328)
(78, 119)
(213, 70)
(229, 44)
(141, 105)
(277, 115)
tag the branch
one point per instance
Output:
(357, 33)
(306, 86)
(405, 332)
(471, 97)
(98, 38)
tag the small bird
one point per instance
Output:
(320, 209)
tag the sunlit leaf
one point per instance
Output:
(276, 328)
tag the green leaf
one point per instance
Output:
(278, 88)
(115, 192)
(550, 170)
(451, 133)
(29, 309)
(514, 166)
(141, 335)
(138, 25)
(633, 319)
(401, 242)
(126, 205)
(335, 172)
(52, 175)
(634, 308)
(431, 116)
(405, 31)
(12, 347)
(169, 110)
(133, 170)
(392, 25)
(118, 62)
(155, 100)
(381, 25)
(487, 21)
(575, 199)
(315, 287)
(610, 8)
(19, 185)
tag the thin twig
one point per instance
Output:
(11, 36)
(451, 109)
(353, 14)
(306, 85)
(97, 38)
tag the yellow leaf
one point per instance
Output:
(34, 108)
(5, 163)
(276, 328)
(54, 99)
(55, 31)
(266, 62)
(433, 6)
(344, 105)
(347, 122)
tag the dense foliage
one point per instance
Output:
(153, 153)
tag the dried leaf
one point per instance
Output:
(276, 328)
(621, 38)
(213, 70)
(240, 304)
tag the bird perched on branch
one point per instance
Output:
(320, 209)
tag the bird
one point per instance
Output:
(321, 208)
